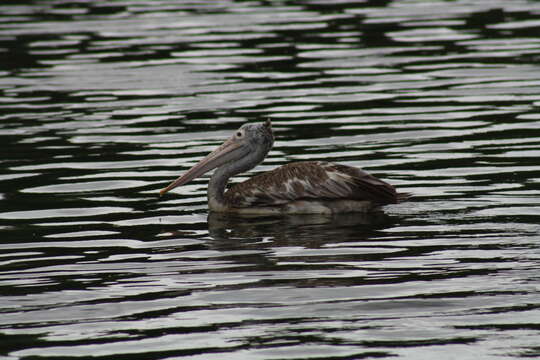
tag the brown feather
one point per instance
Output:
(317, 180)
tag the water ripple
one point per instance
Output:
(103, 104)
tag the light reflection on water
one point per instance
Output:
(103, 104)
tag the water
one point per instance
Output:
(104, 103)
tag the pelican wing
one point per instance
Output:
(310, 180)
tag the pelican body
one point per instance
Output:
(307, 187)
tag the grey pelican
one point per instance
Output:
(306, 187)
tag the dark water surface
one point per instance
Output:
(104, 103)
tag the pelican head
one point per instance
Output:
(246, 148)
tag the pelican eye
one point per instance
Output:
(239, 134)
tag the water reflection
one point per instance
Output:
(103, 103)
(309, 230)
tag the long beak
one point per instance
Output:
(216, 158)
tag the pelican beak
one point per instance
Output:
(218, 157)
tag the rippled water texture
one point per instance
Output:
(104, 102)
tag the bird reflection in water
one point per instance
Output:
(314, 229)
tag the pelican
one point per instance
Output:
(306, 187)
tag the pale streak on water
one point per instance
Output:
(105, 102)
